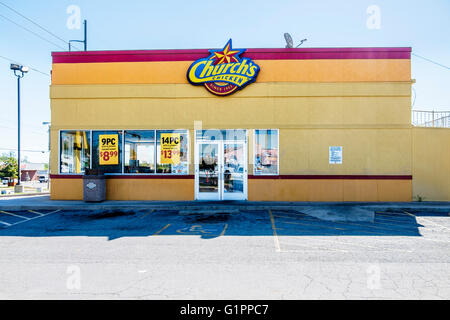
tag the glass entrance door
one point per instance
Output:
(221, 170)
(207, 172)
(234, 171)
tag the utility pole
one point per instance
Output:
(85, 35)
(82, 41)
(19, 72)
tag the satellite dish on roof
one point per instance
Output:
(289, 42)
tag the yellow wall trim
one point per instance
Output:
(340, 70)
(268, 89)
(329, 190)
(127, 189)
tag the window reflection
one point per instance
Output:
(208, 168)
(75, 151)
(234, 167)
(140, 151)
(266, 152)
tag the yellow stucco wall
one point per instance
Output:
(292, 112)
(329, 190)
(66, 189)
(365, 151)
(128, 189)
(431, 163)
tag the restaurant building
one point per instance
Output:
(309, 124)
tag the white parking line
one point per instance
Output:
(32, 211)
(275, 236)
(27, 219)
(5, 223)
(14, 215)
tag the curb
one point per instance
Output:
(218, 207)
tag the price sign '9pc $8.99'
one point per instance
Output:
(109, 149)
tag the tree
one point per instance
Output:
(8, 167)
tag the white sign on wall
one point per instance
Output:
(335, 155)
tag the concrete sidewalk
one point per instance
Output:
(44, 203)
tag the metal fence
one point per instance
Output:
(438, 119)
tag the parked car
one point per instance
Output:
(5, 181)
(43, 179)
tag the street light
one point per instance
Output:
(19, 72)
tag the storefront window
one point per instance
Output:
(107, 151)
(266, 152)
(75, 151)
(140, 151)
(172, 151)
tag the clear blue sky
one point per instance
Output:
(422, 25)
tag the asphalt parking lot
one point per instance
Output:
(243, 254)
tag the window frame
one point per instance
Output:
(278, 154)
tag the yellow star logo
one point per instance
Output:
(225, 56)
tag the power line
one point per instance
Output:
(39, 151)
(429, 60)
(37, 24)
(32, 32)
(29, 131)
(34, 69)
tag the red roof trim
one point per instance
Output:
(255, 54)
